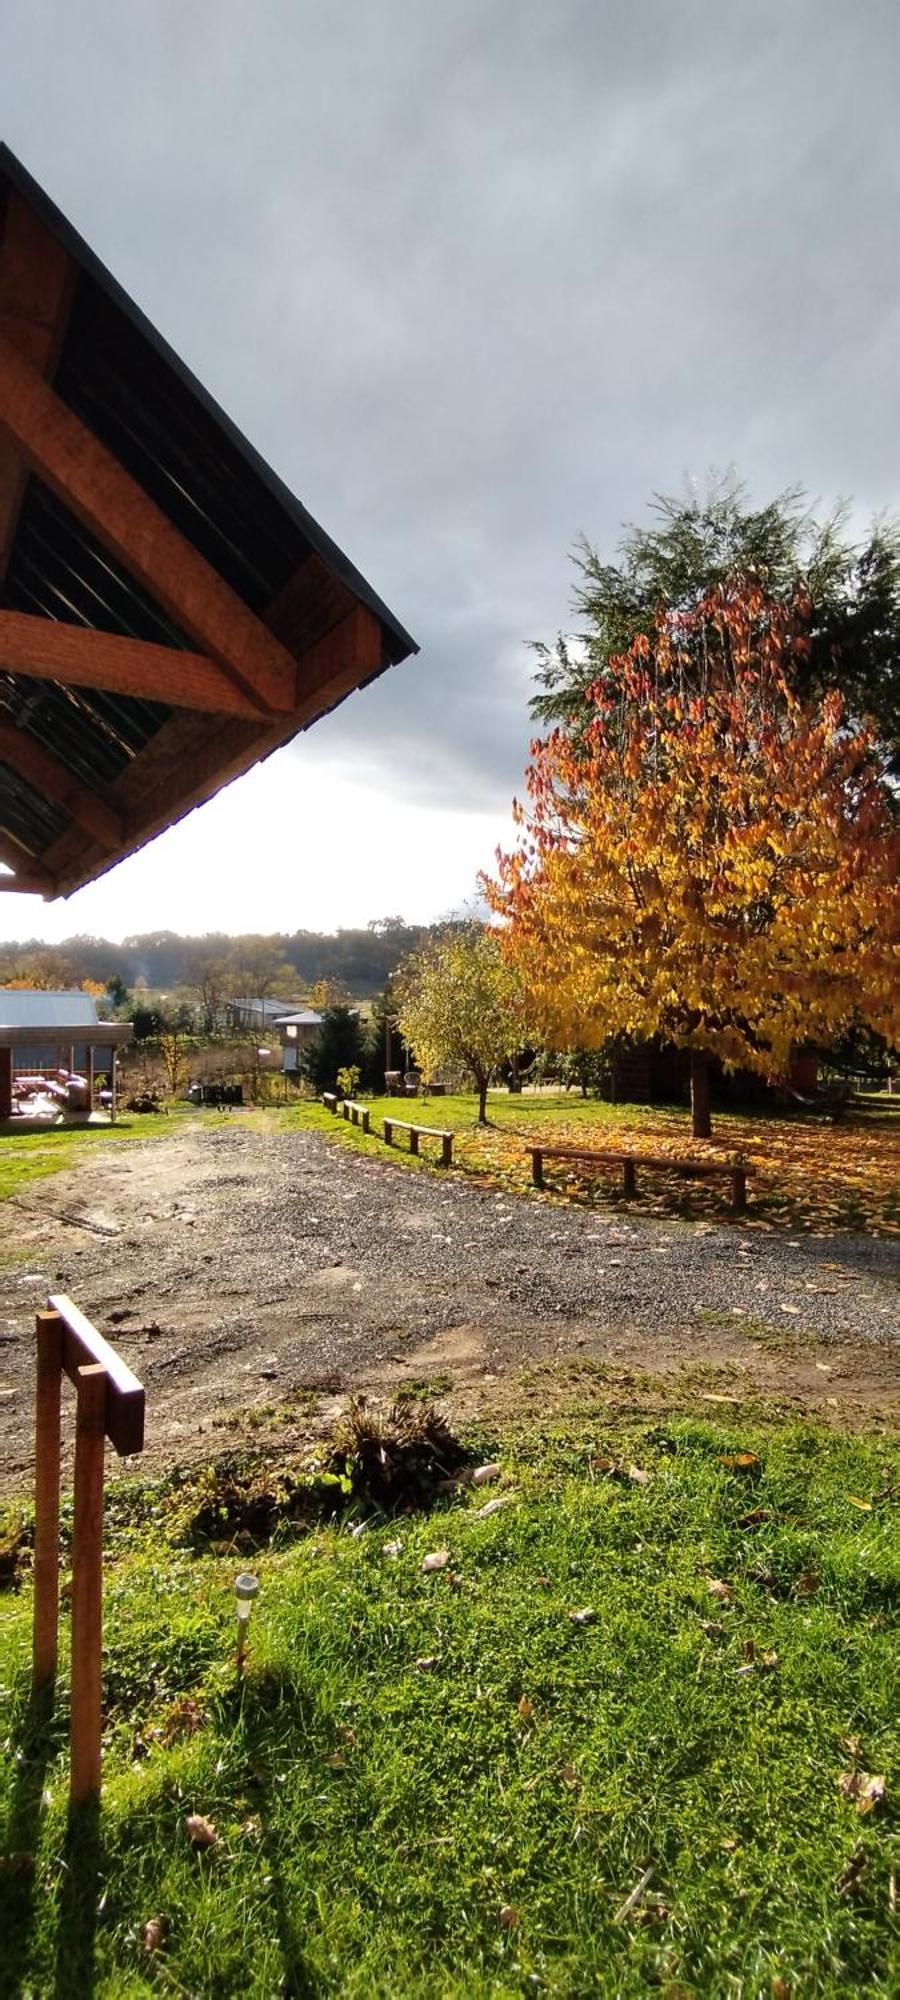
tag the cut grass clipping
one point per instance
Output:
(634, 1730)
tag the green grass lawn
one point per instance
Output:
(444, 1785)
(30, 1156)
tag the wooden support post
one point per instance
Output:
(739, 1190)
(629, 1177)
(6, 1056)
(87, 1583)
(414, 1138)
(115, 1079)
(48, 1329)
(365, 1118)
(446, 1148)
(90, 1077)
(345, 1109)
(537, 1166)
(388, 1132)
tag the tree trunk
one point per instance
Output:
(482, 1084)
(702, 1124)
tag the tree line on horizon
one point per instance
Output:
(216, 965)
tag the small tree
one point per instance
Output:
(209, 977)
(714, 862)
(458, 1001)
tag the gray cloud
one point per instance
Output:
(475, 277)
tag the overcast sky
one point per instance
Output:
(474, 276)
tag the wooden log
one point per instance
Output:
(87, 1584)
(629, 1177)
(739, 1190)
(537, 1166)
(48, 1332)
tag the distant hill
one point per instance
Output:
(361, 960)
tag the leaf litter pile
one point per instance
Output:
(617, 1715)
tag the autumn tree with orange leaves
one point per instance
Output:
(715, 861)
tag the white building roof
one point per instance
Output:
(31, 1007)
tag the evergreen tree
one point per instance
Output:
(716, 540)
(339, 1044)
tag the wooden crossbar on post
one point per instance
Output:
(110, 1404)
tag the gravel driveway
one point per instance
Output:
(233, 1268)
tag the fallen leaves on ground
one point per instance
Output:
(200, 1831)
(865, 1788)
(153, 1935)
(493, 1506)
(808, 1174)
(438, 1559)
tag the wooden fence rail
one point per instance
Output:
(417, 1132)
(110, 1404)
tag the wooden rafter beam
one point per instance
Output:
(27, 869)
(95, 487)
(337, 663)
(25, 885)
(44, 649)
(37, 280)
(50, 777)
(155, 790)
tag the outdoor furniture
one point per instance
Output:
(358, 1114)
(330, 1100)
(629, 1163)
(417, 1132)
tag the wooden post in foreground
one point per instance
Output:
(46, 1498)
(110, 1405)
(87, 1583)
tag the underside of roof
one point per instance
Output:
(169, 612)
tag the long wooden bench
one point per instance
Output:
(358, 1114)
(629, 1163)
(417, 1132)
(330, 1100)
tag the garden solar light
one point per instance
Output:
(245, 1589)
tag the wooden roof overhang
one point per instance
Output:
(169, 612)
(85, 1034)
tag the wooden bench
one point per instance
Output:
(330, 1100)
(417, 1132)
(358, 1114)
(629, 1163)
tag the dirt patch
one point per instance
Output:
(254, 1281)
